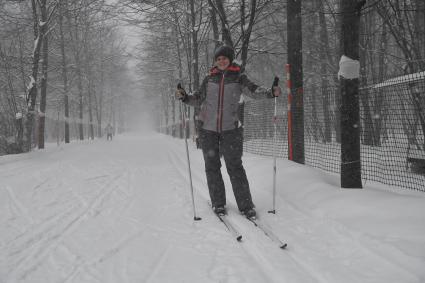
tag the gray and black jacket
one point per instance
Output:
(219, 97)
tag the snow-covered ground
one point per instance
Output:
(121, 211)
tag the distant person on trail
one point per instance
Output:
(221, 130)
(109, 131)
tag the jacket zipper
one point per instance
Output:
(220, 105)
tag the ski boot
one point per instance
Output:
(250, 213)
(219, 210)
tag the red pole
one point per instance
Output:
(288, 89)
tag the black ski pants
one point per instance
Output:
(230, 145)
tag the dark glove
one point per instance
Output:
(180, 93)
(276, 90)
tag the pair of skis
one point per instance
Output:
(257, 223)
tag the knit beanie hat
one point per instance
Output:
(226, 51)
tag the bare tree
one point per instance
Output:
(46, 11)
(350, 120)
(41, 20)
(63, 6)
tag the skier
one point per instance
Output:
(109, 131)
(221, 129)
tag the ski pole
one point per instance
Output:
(183, 115)
(275, 83)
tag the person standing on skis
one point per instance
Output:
(221, 131)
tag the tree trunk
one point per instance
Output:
(101, 90)
(32, 88)
(418, 98)
(296, 75)
(76, 50)
(227, 38)
(43, 86)
(214, 24)
(180, 66)
(350, 119)
(379, 107)
(337, 105)
(19, 122)
(80, 98)
(90, 100)
(180, 79)
(324, 45)
(189, 57)
(246, 33)
(195, 53)
(64, 68)
(367, 126)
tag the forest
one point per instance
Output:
(67, 69)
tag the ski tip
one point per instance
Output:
(239, 238)
(272, 211)
(283, 246)
(196, 218)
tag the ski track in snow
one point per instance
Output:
(50, 233)
(252, 250)
(17, 207)
(111, 252)
(317, 239)
(351, 245)
(99, 212)
(35, 244)
(158, 265)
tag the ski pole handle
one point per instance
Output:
(180, 92)
(276, 91)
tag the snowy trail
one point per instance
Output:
(121, 212)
